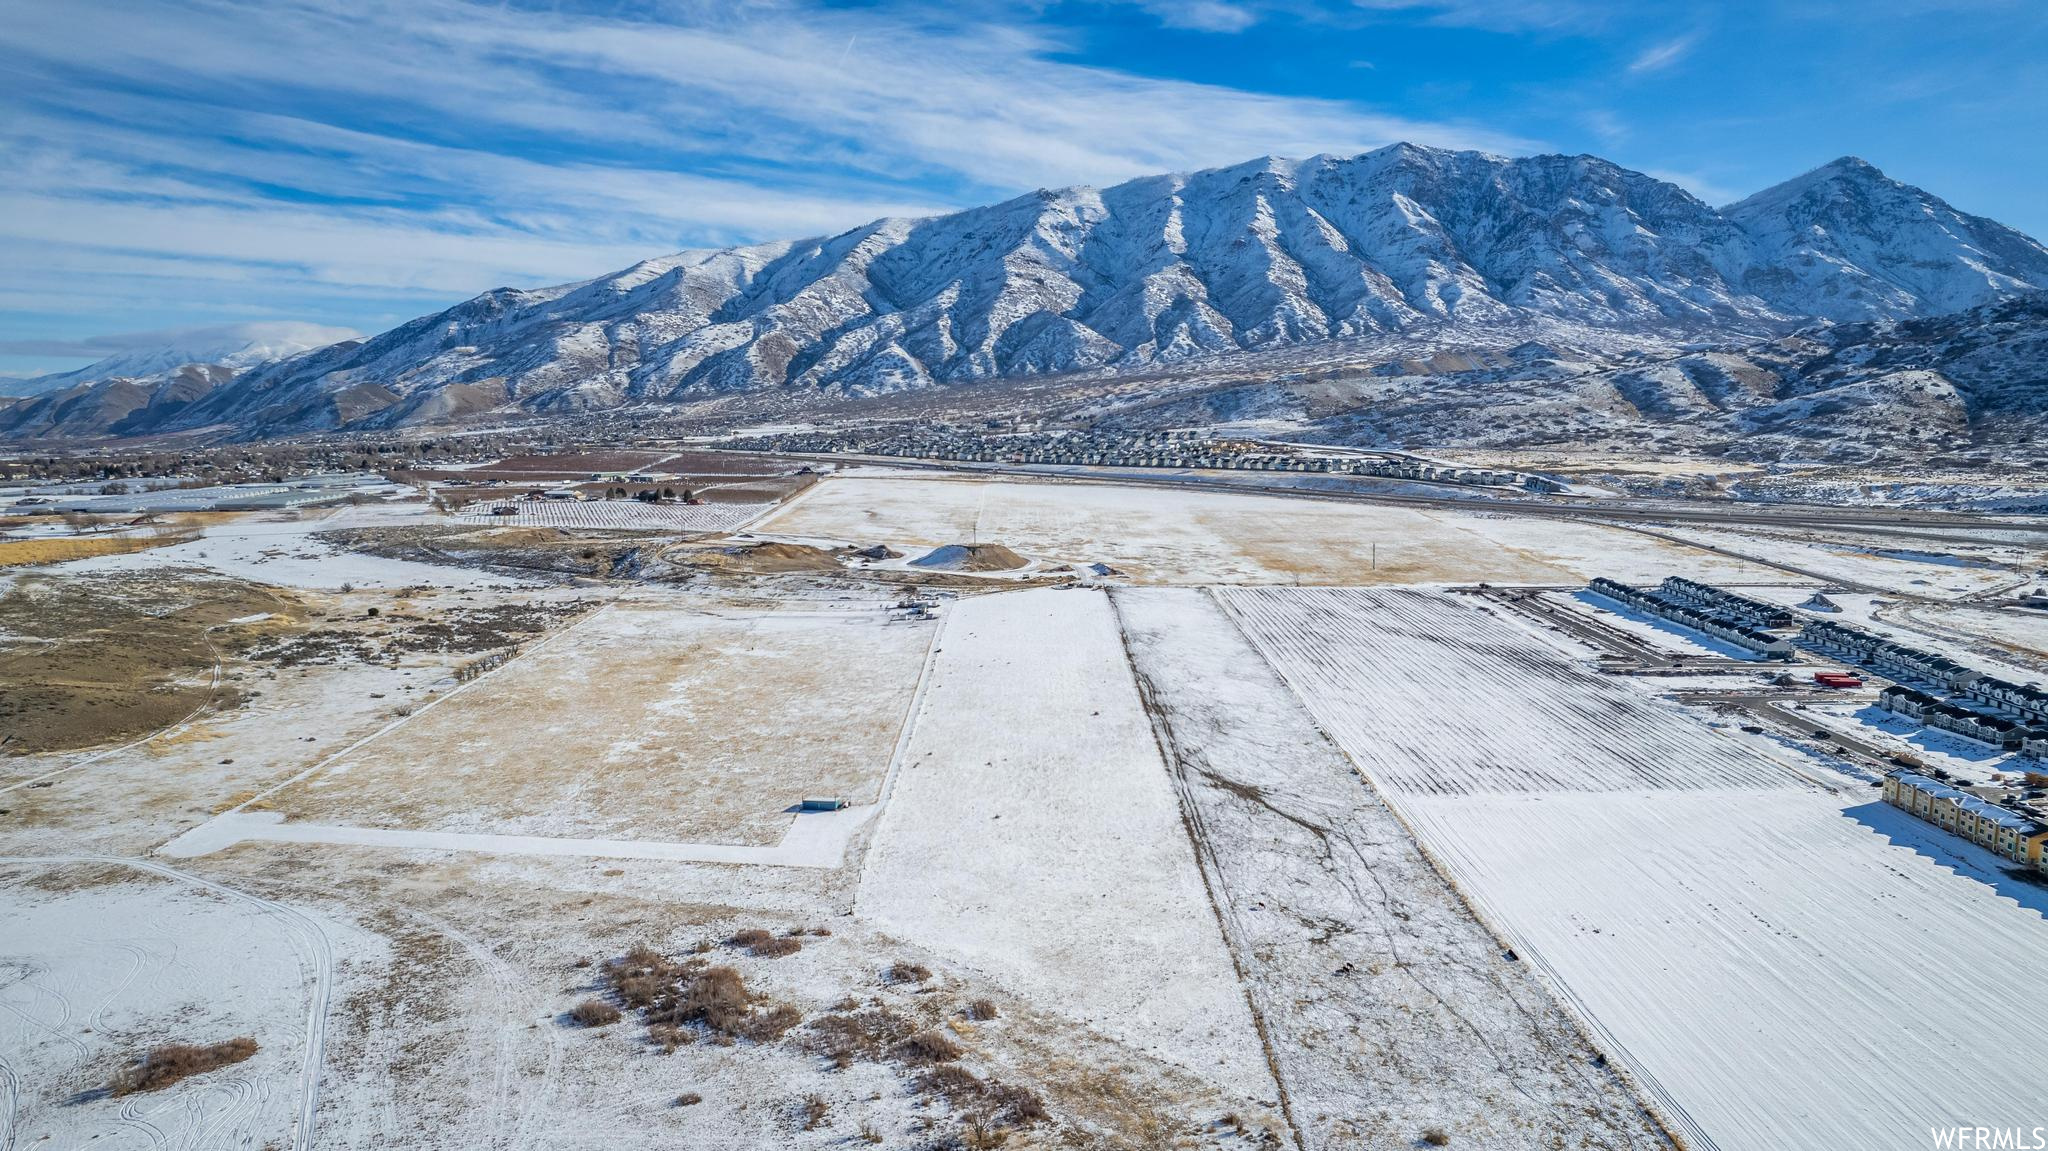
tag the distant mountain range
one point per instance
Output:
(1155, 274)
(152, 356)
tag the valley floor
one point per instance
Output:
(1272, 830)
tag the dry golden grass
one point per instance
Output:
(27, 553)
(172, 1062)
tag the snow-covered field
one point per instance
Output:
(1373, 979)
(1773, 959)
(1433, 693)
(613, 514)
(659, 723)
(1936, 575)
(1169, 536)
(1033, 835)
(278, 549)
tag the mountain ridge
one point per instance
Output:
(1157, 271)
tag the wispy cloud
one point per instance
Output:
(249, 155)
(1662, 55)
(224, 336)
(1203, 15)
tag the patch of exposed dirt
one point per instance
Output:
(763, 558)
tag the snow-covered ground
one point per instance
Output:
(1772, 958)
(1033, 835)
(1590, 550)
(1935, 575)
(1170, 536)
(613, 514)
(1372, 977)
(664, 724)
(278, 549)
(99, 962)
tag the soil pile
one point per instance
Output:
(971, 558)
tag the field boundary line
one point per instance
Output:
(1198, 841)
(896, 756)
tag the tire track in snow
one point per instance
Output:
(307, 936)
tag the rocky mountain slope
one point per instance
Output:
(1156, 272)
(145, 385)
(1970, 384)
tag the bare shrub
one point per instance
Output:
(981, 1010)
(981, 1132)
(868, 1134)
(1436, 1137)
(775, 948)
(852, 1033)
(773, 1023)
(816, 1112)
(689, 1099)
(1017, 1104)
(903, 971)
(928, 1047)
(750, 937)
(950, 1080)
(671, 995)
(162, 1066)
(594, 1013)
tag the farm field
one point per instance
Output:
(1887, 567)
(658, 723)
(1208, 849)
(1197, 537)
(1411, 1003)
(710, 517)
(1033, 835)
(1717, 917)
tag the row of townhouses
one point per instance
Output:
(1877, 653)
(2014, 831)
(1755, 613)
(1933, 711)
(1715, 623)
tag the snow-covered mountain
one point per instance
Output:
(1847, 242)
(1162, 271)
(156, 354)
(1965, 385)
(142, 386)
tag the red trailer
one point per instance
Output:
(1837, 679)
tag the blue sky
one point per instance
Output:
(358, 162)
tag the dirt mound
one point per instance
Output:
(971, 558)
(769, 557)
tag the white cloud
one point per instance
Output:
(1202, 15)
(1695, 183)
(251, 155)
(229, 336)
(1662, 55)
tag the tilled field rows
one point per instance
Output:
(616, 514)
(1435, 695)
